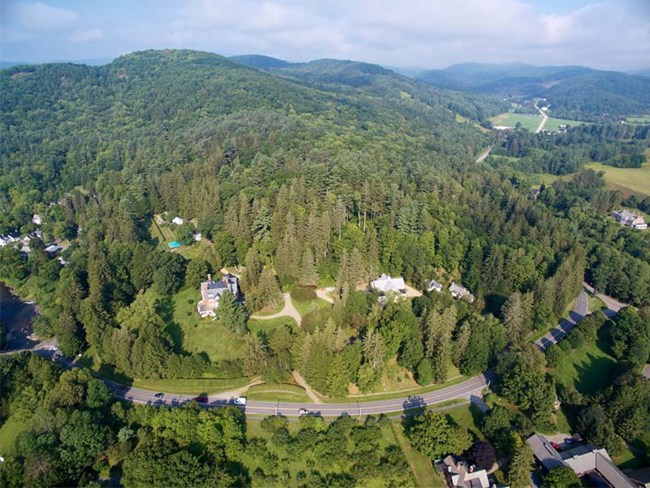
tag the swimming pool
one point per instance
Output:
(174, 244)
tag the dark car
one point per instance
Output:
(159, 395)
(201, 399)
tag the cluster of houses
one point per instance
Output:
(22, 242)
(387, 285)
(212, 291)
(588, 462)
(630, 219)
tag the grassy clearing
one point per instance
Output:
(589, 368)
(645, 119)
(423, 471)
(510, 119)
(306, 307)
(9, 432)
(628, 180)
(267, 326)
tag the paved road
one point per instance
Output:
(613, 305)
(580, 311)
(465, 390)
(540, 128)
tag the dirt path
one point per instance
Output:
(310, 393)
(484, 155)
(288, 311)
(412, 292)
(323, 295)
(540, 128)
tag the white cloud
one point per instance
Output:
(39, 16)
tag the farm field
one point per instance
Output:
(553, 124)
(628, 180)
(510, 119)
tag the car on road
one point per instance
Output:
(303, 411)
(201, 399)
(159, 395)
(241, 401)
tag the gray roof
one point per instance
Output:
(544, 452)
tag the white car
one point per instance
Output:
(303, 411)
(240, 401)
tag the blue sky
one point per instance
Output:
(607, 34)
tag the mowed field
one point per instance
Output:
(510, 119)
(628, 180)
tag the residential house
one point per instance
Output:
(52, 249)
(630, 219)
(585, 460)
(459, 291)
(386, 285)
(37, 219)
(7, 239)
(434, 285)
(461, 475)
(211, 292)
(178, 221)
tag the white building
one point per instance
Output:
(385, 285)
(630, 219)
(211, 292)
(178, 221)
(37, 219)
(459, 291)
(434, 285)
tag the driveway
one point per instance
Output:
(288, 311)
(580, 311)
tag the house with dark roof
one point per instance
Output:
(211, 292)
(459, 291)
(585, 460)
(629, 219)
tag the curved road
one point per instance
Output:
(464, 390)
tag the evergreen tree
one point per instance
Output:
(231, 314)
(520, 467)
(307, 275)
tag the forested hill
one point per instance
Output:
(573, 91)
(348, 76)
(64, 124)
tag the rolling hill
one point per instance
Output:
(574, 92)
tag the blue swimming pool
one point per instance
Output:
(174, 244)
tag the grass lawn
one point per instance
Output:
(267, 326)
(192, 333)
(468, 416)
(423, 471)
(306, 307)
(628, 180)
(8, 434)
(645, 119)
(589, 368)
(510, 119)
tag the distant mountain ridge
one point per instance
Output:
(574, 92)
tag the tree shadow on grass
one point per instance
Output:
(595, 375)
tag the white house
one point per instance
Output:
(460, 475)
(459, 291)
(211, 292)
(385, 285)
(37, 219)
(178, 221)
(630, 219)
(434, 285)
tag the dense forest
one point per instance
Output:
(324, 174)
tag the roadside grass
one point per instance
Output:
(305, 307)
(628, 180)
(423, 470)
(510, 119)
(371, 397)
(193, 386)
(9, 432)
(283, 393)
(644, 119)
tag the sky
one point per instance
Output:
(604, 34)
